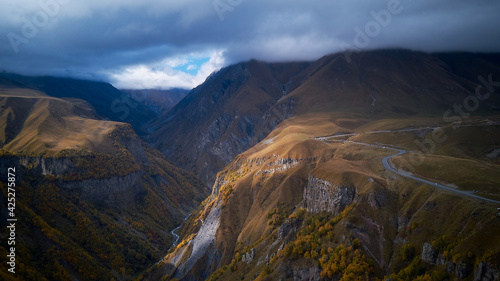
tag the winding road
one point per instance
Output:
(386, 161)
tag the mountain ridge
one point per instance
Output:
(299, 201)
(296, 154)
(108, 102)
(365, 87)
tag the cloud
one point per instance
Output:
(105, 40)
(166, 74)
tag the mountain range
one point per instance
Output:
(306, 194)
(383, 166)
(240, 105)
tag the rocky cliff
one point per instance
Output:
(320, 196)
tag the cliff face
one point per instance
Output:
(120, 192)
(320, 196)
(112, 191)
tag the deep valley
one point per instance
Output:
(386, 167)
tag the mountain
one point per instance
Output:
(384, 168)
(92, 199)
(241, 104)
(107, 101)
(381, 168)
(224, 116)
(160, 101)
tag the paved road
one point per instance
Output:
(387, 164)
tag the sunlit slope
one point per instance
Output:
(98, 203)
(34, 122)
(240, 105)
(108, 102)
(384, 216)
(313, 199)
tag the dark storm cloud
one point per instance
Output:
(98, 39)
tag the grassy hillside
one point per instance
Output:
(241, 104)
(93, 201)
(381, 232)
(222, 117)
(108, 102)
(303, 205)
(35, 122)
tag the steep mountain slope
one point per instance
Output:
(160, 101)
(238, 106)
(108, 102)
(94, 201)
(314, 200)
(380, 84)
(471, 65)
(288, 208)
(224, 116)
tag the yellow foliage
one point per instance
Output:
(312, 243)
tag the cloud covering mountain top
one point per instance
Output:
(164, 44)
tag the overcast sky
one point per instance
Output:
(178, 43)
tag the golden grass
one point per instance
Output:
(22, 93)
(467, 174)
(55, 124)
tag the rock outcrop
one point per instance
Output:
(288, 229)
(486, 272)
(321, 195)
(463, 269)
(249, 256)
(306, 274)
(429, 254)
(115, 191)
(203, 245)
